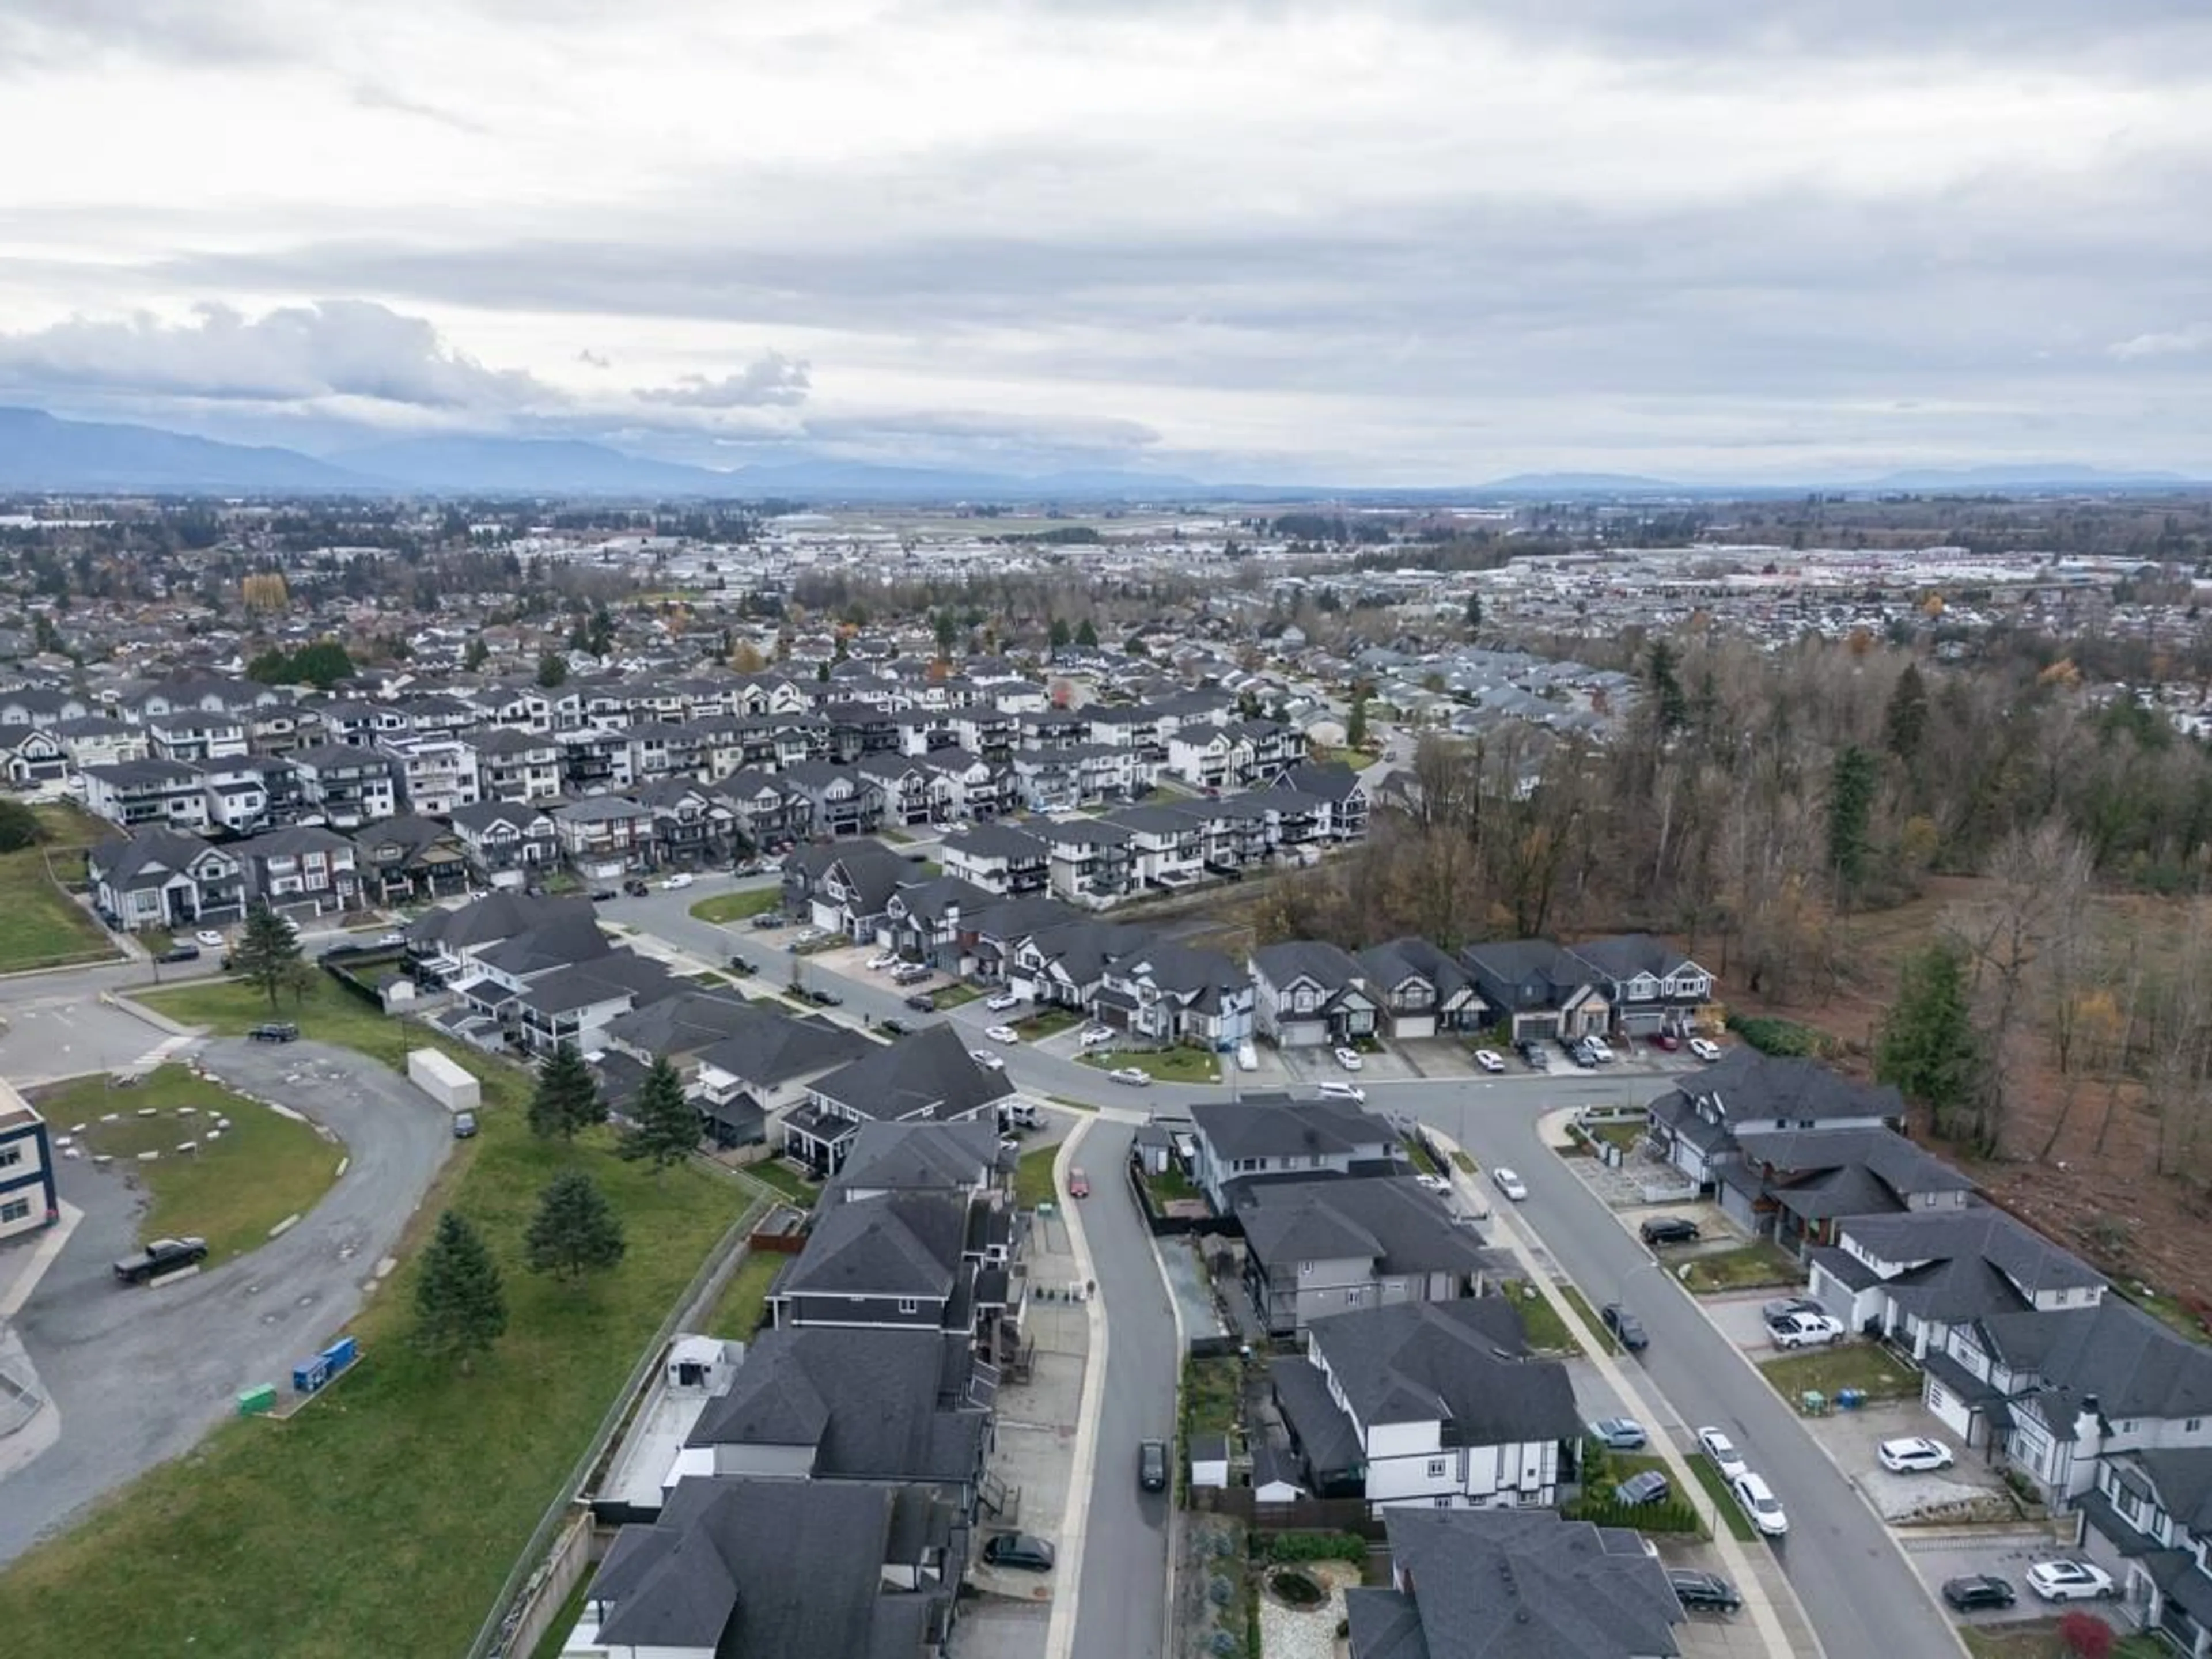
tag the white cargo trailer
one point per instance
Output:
(444, 1080)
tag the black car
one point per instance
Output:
(893, 1027)
(1019, 1549)
(822, 996)
(602, 895)
(1649, 1487)
(769, 919)
(185, 952)
(163, 1255)
(741, 964)
(922, 1003)
(1152, 1466)
(1669, 1230)
(1626, 1327)
(635, 888)
(1977, 1593)
(1702, 1592)
(1532, 1057)
(274, 1030)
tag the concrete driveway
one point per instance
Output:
(138, 1376)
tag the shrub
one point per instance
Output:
(1782, 1037)
(1219, 1591)
(1223, 1644)
(1673, 1515)
(1292, 1547)
(2087, 1636)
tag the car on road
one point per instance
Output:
(1093, 1036)
(1978, 1592)
(1626, 1328)
(1509, 1183)
(1349, 1058)
(1342, 1091)
(893, 1027)
(678, 883)
(822, 996)
(1020, 1550)
(183, 950)
(210, 939)
(1619, 1433)
(922, 1003)
(1004, 1000)
(274, 1030)
(1914, 1455)
(1805, 1330)
(1708, 1052)
(1136, 1076)
(1078, 1184)
(1702, 1592)
(742, 965)
(465, 1126)
(1760, 1503)
(635, 888)
(161, 1255)
(1669, 1230)
(1153, 1465)
(1002, 1033)
(1648, 1486)
(603, 896)
(1488, 1060)
(2071, 1581)
(987, 1060)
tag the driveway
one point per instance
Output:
(138, 1376)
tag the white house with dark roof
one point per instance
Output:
(1698, 1122)
(160, 878)
(1310, 994)
(1274, 1135)
(926, 1077)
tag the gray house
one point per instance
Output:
(1313, 1249)
(1273, 1136)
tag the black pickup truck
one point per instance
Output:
(163, 1255)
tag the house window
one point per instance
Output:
(1438, 1467)
(908, 1305)
(15, 1210)
(1442, 1502)
(1352, 1297)
(10, 1155)
(2192, 1425)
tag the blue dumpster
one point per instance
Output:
(1850, 1399)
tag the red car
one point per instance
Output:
(1078, 1184)
(1666, 1040)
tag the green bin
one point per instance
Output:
(254, 1402)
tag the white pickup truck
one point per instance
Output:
(1805, 1330)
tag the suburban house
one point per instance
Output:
(1696, 1124)
(300, 869)
(445, 944)
(410, 859)
(1472, 1584)
(748, 1079)
(1273, 1135)
(30, 756)
(1089, 860)
(27, 1199)
(928, 1077)
(130, 793)
(1796, 1185)
(506, 844)
(1308, 994)
(575, 1004)
(1164, 993)
(1421, 991)
(2152, 1510)
(1003, 859)
(1339, 787)
(516, 765)
(1541, 991)
(1435, 1403)
(164, 878)
(845, 888)
(604, 837)
(965, 1159)
(1313, 1249)
(909, 1261)
(344, 786)
(1652, 987)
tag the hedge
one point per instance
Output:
(1782, 1037)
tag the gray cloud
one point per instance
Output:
(34, 33)
(771, 379)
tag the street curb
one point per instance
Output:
(1175, 1509)
(1060, 1635)
(160, 1022)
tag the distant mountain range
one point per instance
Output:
(39, 451)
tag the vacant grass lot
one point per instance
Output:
(1862, 1365)
(737, 1313)
(382, 1520)
(1162, 1066)
(1212, 1390)
(231, 1191)
(41, 926)
(1741, 1269)
(736, 907)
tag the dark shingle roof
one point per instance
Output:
(1397, 1224)
(907, 1244)
(1456, 1362)
(929, 1074)
(1280, 1127)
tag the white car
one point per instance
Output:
(1134, 1076)
(1004, 1000)
(1489, 1059)
(1435, 1183)
(1342, 1091)
(1913, 1455)
(209, 937)
(1722, 1452)
(395, 937)
(2071, 1581)
(1349, 1058)
(1093, 1036)
(1602, 1049)
(883, 959)
(676, 882)
(1003, 1034)
(1763, 1508)
(1509, 1183)
(987, 1060)
(1708, 1052)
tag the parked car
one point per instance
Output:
(1666, 1041)
(1004, 1000)
(911, 973)
(1020, 1550)
(1669, 1230)
(1760, 1503)
(1626, 1328)
(822, 996)
(1599, 1047)
(893, 1027)
(395, 937)
(1435, 1183)
(1488, 1060)
(1914, 1455)
(1702, 1592)
(603, 895)
(1783, 1306)
(1509, 1183)
(1977, 1593)
(1583, 1055)
(987, 1060)
(2071, 1581)
(1349, 1058)
(1722, 1452)
(274, 1030)
(1093, 1036)
(1152, 1466)
(1708, 1052)
(1136, 1076)
(742, 964)
(183, 950)
(767, 918)
(676, 883)
(1002, 1033)
(161, 1255)
(1619, 1433)
(210, 939)
(1648, 1486)
(922, 1003)
(1342, 1091)
(1078, 1184)
(881, 960)
(465, 1126)
(1805, 1330)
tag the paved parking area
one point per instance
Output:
(2006, 1553)
(1319, 1065)
(71, 1034)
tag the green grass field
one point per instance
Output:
(1033, 1177)
(41, 926)
(725, 907)
(1860, 1365)
(1724, 1501)
(230, 1191)
(383, 1519)
(1580, 1304)
(1541, 1320)
(737, 1311)
(1741, 1269)
(774, 1172)
(1161, 1064)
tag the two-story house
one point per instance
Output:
(1653, 988)
(1420, 991)
(1162, 993)
(1273, 1135)
(845, 888)
(1796, 1185)
(1697, 1123)
(1003, 859)
(160, 877)
(692, 828)
(28, 1199)
(926, 1077)
(345, 786)
(1313, 1249)
(1311, 994)
(410, 859)
(749, 1079)
(516, 765)
(132, 794)
(436, 776)
(1089, 860)
(505, 842)
(841, 800)
(1542, 991)
(300, 868)
(605, 836)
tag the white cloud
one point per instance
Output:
(2178, 342)
(771, 377)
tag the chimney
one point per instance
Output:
(2089, 1424)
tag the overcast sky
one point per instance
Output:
(1399, 242)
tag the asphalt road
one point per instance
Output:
(139, 1375)
(1121, 1613)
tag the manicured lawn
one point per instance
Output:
(1162, 1066)
(775, 1173)
(1861, 1366)
(737, 1315)
(1622, 1135)
(382, 1520)
(1047, 1022)
(951, 996)
(736, 907)
(1723, 1500)
(1755, 1264)
(1420, 1155)
(328, 1014)
(1033, 1177)
(1546, 1329)
(41, 926)
(231, 1190)
(1463, 1163)
(1170, 1185)
(1575, 1299)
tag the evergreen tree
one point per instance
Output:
(566, 1099)
(552, 671)
(19, 827)
(1906, 724)
(475, 655)
(1927, 1047)
(575, 1231)
(1355, 723)
(667, 1124)
(1087, 635)
(1851, 783)
(1670, 705)
(1060, 635)
(1473, 612)
(460, 1309)
(268, 948)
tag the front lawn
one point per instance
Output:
(2039, 1638)
(229, 1190)
(1419, 1153)
(1161, 1064)
(1033, 1178)
(1547, 1333)
(1047, 1022)
(724, 907)
(383, 1519)
(737, 1310)
(951, 996)
(1867, 1366)
(1742, 1269)
(1171, 1186)
(1212, 1393)
(41, 926)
